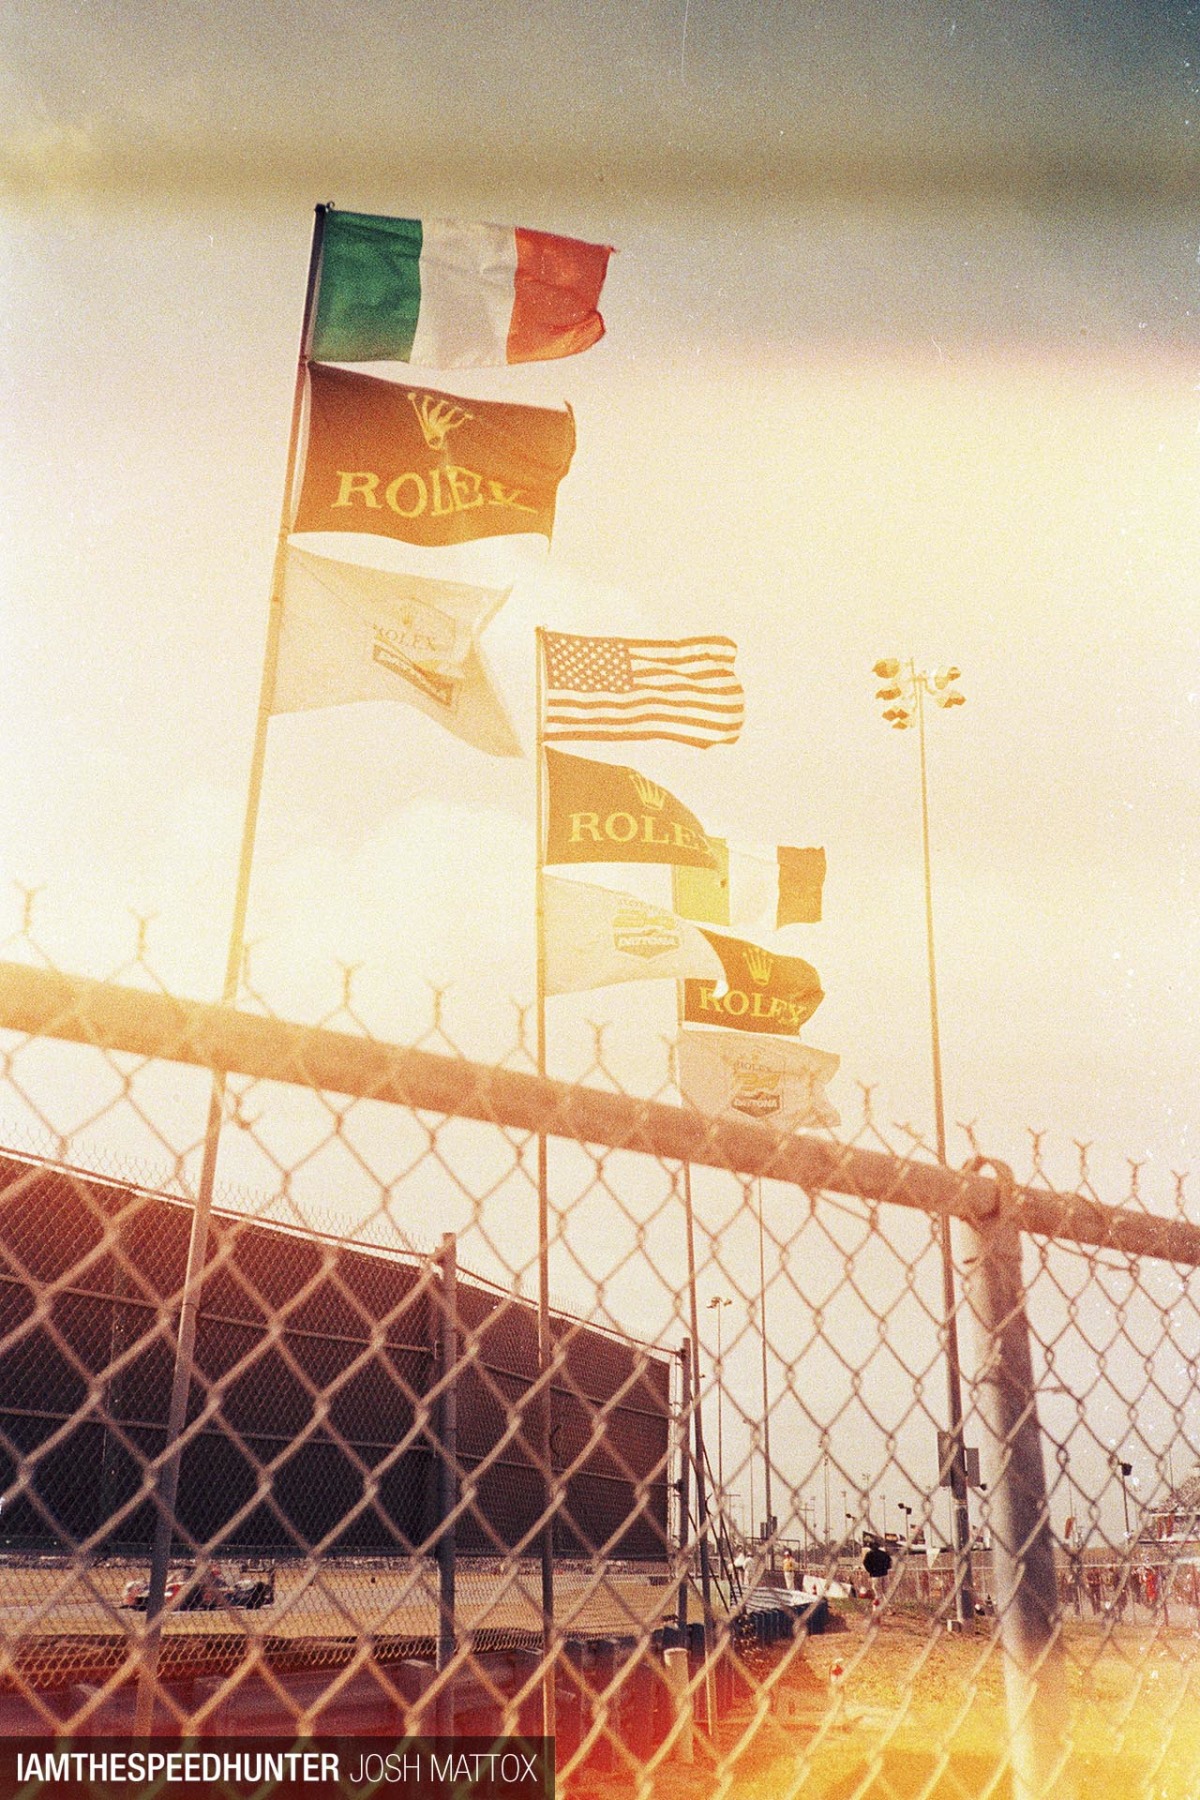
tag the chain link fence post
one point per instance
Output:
(1026, 1596)
(166, 1492)
(685, 1486)
(447, 1544)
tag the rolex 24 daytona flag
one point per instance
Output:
(609, 689)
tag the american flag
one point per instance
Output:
(611, 688)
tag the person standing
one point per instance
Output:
(877, 1562)
(789, 1571)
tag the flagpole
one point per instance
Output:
(766, 1392)
(167, 1485)
(710, 1686)
(689, 1214)
(545, 1346)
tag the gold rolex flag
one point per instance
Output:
(596, 936)
(727, 1076)
(608, 812)
(353, 633)
(427, 467)
(766, 992)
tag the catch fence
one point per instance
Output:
(628, 1506)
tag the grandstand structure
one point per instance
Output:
(314, 1413)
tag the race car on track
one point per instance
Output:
(206, 1593)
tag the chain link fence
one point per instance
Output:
(635, 1509)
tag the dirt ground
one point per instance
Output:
(900, 1710)
(889, 1708)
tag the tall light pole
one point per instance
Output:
(906, 689)
(1124, 1470)
(828, 1539)
(719, 1303)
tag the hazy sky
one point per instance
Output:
(903, 357)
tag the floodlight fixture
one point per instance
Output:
(887, 668)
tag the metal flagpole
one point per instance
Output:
(766, 1394)
(545, 1344)
(710, 1686)
(167, 1485)
(702, 1541)
(685, 1464)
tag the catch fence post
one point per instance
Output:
(447, 1544)
(685, 1463)
(1023, 1571)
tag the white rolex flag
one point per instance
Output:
(356, 633)
(596, 936)
(727, 1075)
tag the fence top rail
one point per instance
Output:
(423, 1262)
(39, 1002)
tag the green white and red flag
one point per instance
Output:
(451, 295)
(754, 889)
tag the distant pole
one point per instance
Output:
(545, 1342)
(167, 1483)
(717, 1304)
(685, 1464)
(448, 1450)
(826, 1461)
(698, 1435)
(766, 1392)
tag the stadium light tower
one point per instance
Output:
(904, 693)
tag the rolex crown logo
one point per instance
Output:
(437, 417)
(758, 961)
(652, 797)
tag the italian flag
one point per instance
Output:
(447, 295)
